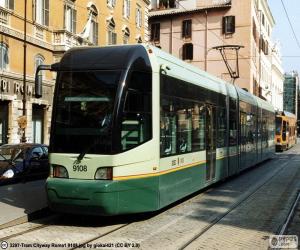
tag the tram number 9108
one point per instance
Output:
(79, 168)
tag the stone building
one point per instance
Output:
(291, 92)
(191, 29)
(53, 27)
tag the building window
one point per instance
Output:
(187, 29)
(94, 25)
(9, 4)
(111, 34)
(228, 25)
(3, 56)
(111, 3)
(126, 8)
(70, 18)
(264, 45)
(126, 35)
(155, 32)
(138, 17)
(187, 51)
(42, 12)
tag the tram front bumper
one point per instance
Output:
(100, 197)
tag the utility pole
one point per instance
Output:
(23, 139)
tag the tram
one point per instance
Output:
(135, 129)
(286, 130)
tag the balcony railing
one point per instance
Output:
(4, 16)
(64, 40)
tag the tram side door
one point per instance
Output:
(210, 142)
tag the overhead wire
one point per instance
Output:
(291, 25)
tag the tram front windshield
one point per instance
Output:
(83, 111)
(278, 125)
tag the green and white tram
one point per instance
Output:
(135, 129)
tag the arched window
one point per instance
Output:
(111, 34)
(94, 25)
(3, 56)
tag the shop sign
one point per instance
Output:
(15, 87)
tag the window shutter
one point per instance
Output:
(124, 6)
(65, 16)
(128, 8)
(233, 23)
(74, 20)
(190, 51)
(34, 10)
(158, 31)
(46, 11)
(11, 4)
(184, 52)
(152, 31)
(228, 24)
(224, 25)
(183, 29)
(114, 38)
(95, 38)
(189, 31)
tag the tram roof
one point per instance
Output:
(264, 105)
(104, 58)
(187, 72)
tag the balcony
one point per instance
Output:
(63, 40)
(4, 16)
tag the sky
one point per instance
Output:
(283, 33)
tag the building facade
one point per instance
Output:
(53, 27)
(191, 33)
(291, 92)
(277, 79)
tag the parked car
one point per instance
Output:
(24, 161)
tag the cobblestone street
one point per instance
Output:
(240, 213)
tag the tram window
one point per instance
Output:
(232, 128)
(184, 132)
(198, 127)
(168, 127)
(249, 125)
(278, 125)
(137, 117)
(232, 103)
(221, 127)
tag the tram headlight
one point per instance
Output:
(59, 171)
(104, 173)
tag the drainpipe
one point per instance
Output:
(171, 41)
(206, 42)
(23, 139)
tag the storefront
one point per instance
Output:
(38, 111)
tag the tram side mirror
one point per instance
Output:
(38, 83)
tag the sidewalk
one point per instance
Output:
(19, 201)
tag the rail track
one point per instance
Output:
(239, 204)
